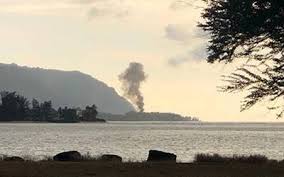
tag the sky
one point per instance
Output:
(101, 37)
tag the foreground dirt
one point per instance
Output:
(98, 169)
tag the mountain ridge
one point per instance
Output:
(63, 88)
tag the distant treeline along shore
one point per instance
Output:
(146, 116)
(15, 107)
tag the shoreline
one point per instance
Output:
(99, 169)
(204, 165)
(138, 121)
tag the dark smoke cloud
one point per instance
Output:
(131, 80)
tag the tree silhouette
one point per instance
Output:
(14, 107)
(35, 112)
(252, 31)
(68, 114)
(90, 113)
(46, 111)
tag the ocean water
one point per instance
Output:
(133, 140)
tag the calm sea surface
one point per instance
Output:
(132, 140)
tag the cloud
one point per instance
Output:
(93, 8)
(197, 54)
(177, 61)
(184, 33)
(193, 37)
(177, 33)
(36, 6)
(108, 11)
(85, 1)
(184, 4)
(105, 8)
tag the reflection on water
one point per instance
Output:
(132, 140)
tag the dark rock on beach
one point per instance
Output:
(14, 158)
(68, 156)
(155, 155)
(111, 158)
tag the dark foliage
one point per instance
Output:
(90, 113)
(146, 116)
(68, 115)
(243, 23)
(252, 30)
(15, 107)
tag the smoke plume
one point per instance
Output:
(131, 80)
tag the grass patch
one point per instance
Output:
(2, 157)
(199, 158)
(89, 157)
(216, 158)
(46, 158)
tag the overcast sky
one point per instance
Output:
(101, 37)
